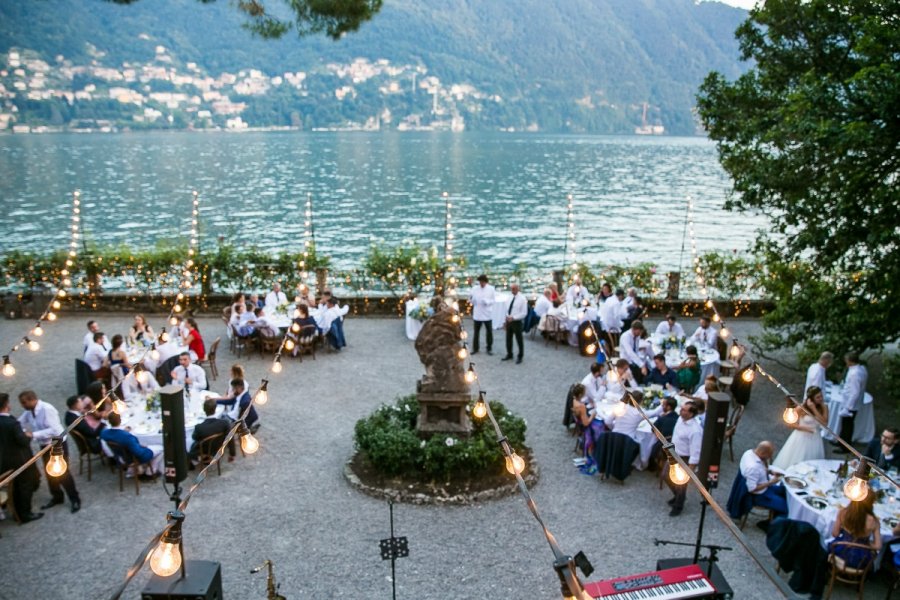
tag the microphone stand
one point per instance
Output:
(713, 552)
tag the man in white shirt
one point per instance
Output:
(482, 298)
(628, 423)
(40, 421)
(630, 350)
(762, 482)
(687, 438)
(630, 297)
(544, 303)
(189, 375)
(275, 297)
(334, 314)
(93, 327)
(576, 293)
(854, 390)
(815, 375)
(670, 327)
(705, 335)
(612, 313)
(619, 378)
(97, 356)
(138, 383)
(594, 383)
(515, 315)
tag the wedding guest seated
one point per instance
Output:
(665, 422)
(97, 356)
(139, 383)
(210, 426)
(628, 423)
(554, 294)
(661, 374)
(670, 327)
(884, 451)
(239, 316)
(688, 372)
(613, 313)
(583, 413)
(633, 312)
(188, 374)
(323, 301)
(305, 295)
(857, 524)
(90, 434)
(332, 323)
(576, 293)
(705, 335)
(237, 372)
(543, 303)
(92, 328)
(275, 298)
(94, 394)
(630, 350)
(150, 456)
(762, 482)
(236, 405)
(604, 293)
(594, 383)
(118, 356)
(254, 302)
(179, 329)
(237, 300)
(620, 378)
(194, 341)
(710, 384)
(141, 332)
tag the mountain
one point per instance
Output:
(553, 65)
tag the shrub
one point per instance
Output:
(389, 440)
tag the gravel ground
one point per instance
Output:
(290, 503)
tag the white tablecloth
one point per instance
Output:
(709, 358)
(863, 425)
(500, 308)
(166, 351)
(413, 325)
(571, 317)
(819, 479)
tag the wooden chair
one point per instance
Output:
(307, 340)
(10, 490)
(743, 522)
(116, 375)
(269, 343)
(731, 428)
(124, 460)
(84, 453)
(554, 330)
(210, 360)
(242, 342)
(844, 573)
(207, 449)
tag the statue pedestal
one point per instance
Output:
(443, 412)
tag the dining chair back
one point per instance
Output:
(207, 448)
(842, 571)
(124, 461)
(84, 453)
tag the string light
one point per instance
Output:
(308, 240)
(119, 407)
(154, 353)
(571, 255)
(8, 369)
(677, 474)
(857, 488)
(249, 444)
(749, 374)
(32, 345)
(276, 366)
(462, 353)
(515, 464)
(56, 466)
(166, 558)
(262, 395)
(479, 411)
(790, 415)
(470, 375)
(38, 330)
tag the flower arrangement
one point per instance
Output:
(152, 402)
(282, 309)
(673, 341)
(423, 312)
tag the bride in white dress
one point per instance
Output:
(805, 443)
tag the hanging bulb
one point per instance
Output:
(790, 415)
(591, 348)
(677, 474)
(479, 411)
(735, 351)
(462, 353)
(173, 320)
(57, 305)
(262, 396)
(61, 293)
(716, 317)
(163, 336)
(709, 303)
(276, 366)
(8, 369)
(166, 558)
(119, 407)
(588, 332)
(295, 328)
(748, 375)
(289, 344)
(619, 409)
(463, 335)
(249, 444)
(470, 374)
(38, 330)
(51, 316)
(454, 318)
(515, 464)
(56, 466)
(613, 375)
(32, 345)
(154, 353)
(724, 333)
(142, 376)
(857, 488)
(180, 296)
(176, 308)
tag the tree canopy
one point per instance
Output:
(810, 135)
(334, 17)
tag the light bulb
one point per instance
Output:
(262, 396)
(709, 303)
(56, 466)
(619, 409)
(677, 474)
(856, 489)
(735, 351)
(470, 375)
(119, 407)
(724, 333)
(289, 344)
(588, 332)
(716, 317)
(57, 305)
(463, 335)
(249, 444)
(276, 366)
(38, 330)
(32, 345)
(180, 296)
(142, 377)
(454, 318)
(462, 353)
(176, 308)
(8, 369)
(51, 316)
(61, 293)
(295, 328)
(613, 375)
(591, 348)
(515, 464)
(790, 415)
(166, 559)
(164, 337)
(748, 375)
(479, 410)
(154, 353)
(173, 320)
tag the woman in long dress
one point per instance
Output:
(805, 443)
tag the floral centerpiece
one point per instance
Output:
(282, 309)
(670, 342)
(152, 402)
(423, 312)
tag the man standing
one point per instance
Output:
(853, 392)
(15, 451)
(767, 492)
(815, 375)
(629, 349)
(482, 299)
(41, 423)
(191, 376)
(515, 314)
(687, 437)
(884, 452)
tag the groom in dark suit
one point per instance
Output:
(211, 426)
(15, 451)
(885, 452)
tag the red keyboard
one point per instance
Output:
(681, 582)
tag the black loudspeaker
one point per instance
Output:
(723, 590)
(713, 438)
(202, 581)
(174, 451)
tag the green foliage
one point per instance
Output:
(406, 267)
(809, 136)
(730, 275)
(642, 276)
(389, 440)
(891, 378)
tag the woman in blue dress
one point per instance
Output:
(857, 523)
(118, 355)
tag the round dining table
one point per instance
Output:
(863, 424)
(709, 357)
(813, 498)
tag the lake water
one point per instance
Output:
(508, 191)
